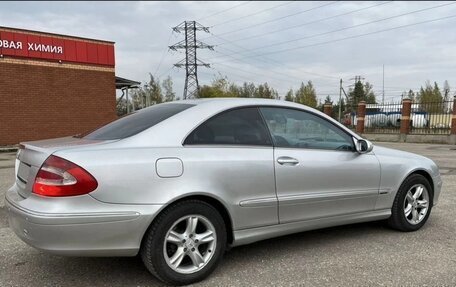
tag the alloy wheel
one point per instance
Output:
(189, 244)
(416, 204)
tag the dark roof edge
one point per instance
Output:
(122, 82)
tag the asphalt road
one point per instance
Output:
(356, 255)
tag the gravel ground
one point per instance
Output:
(356, 255)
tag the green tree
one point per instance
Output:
(207, 91)
(247, 90)
(264, 91)
(222, 87)
(217, 89)
(429, 93)
(430, 98)
(369, 95)
(137, 98)
(153, 91)
(437, 93)
(409, 95)
(356, 94)
(275, 94)
(328, 99)
(306, 95)
(289, 96)
(233, 91)
(361, 92)
(167, 85)
(121, 107)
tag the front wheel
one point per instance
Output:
(184, 243)
(412, 205)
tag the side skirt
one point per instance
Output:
(247, 236)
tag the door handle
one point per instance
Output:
(286, 160)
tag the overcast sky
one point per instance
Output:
(142, 32)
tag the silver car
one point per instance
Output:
(180, 182)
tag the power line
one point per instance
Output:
(270, 60)
(351, 27)
(287, 76)
(171, 68)
(165, 72)
(253, 14)
(272, 80)
(164, 53)
(229, 76)
(303, 24)
(258, 74)
(281, 64)
(347, 38)
(279, 18)
(277, 80)
(224, 10)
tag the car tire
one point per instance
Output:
(173, 223)
(399, 219)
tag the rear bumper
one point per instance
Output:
(79, 226)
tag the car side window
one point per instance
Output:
(242, 126)
(300, 129)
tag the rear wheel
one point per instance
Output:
(412, 205)
(185, 243)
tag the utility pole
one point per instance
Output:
(357, 79)
(191, 62)
(383, 89)
(128, 106)
(340, 100)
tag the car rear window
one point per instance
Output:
(136, 122)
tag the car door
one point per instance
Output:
(318, 172)
(231, 156)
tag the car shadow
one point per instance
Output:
(307, 240)
(129, 271)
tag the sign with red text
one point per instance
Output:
(24, 45)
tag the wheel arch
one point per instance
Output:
(425, 174)
(214, 202)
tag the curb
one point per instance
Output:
(8, 149)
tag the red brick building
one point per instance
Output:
(53, 85)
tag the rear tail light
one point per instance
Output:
(60, 177)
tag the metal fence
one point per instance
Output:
(385, 118)
(425, 118)
(431, 118)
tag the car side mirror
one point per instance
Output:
(363, 146)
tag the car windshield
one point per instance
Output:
(136, 122)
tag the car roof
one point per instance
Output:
(230, 100)
(174, 130)
(239, 102)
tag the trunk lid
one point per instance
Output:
(33, 154)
